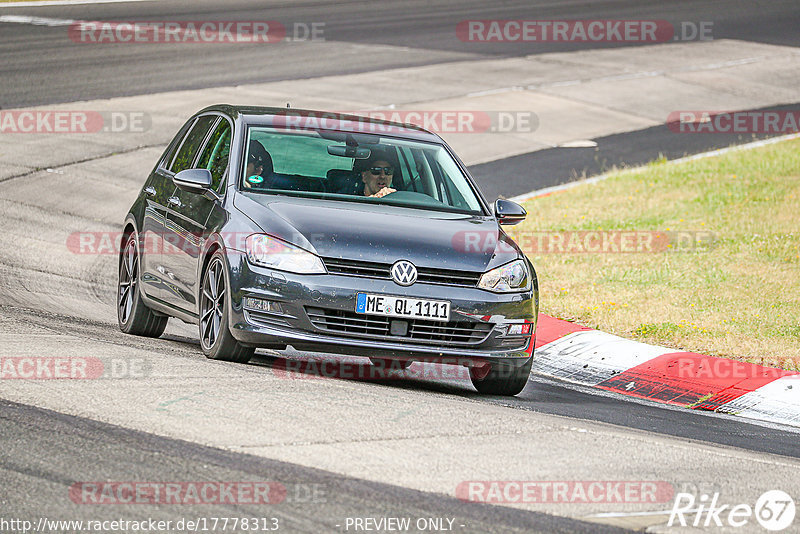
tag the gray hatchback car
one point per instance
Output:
(270, 227)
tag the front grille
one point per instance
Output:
(419, 330)
(357, 268)
(425, 275)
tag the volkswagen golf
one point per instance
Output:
(270, 228)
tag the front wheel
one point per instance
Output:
(216, 339)
(133, 315)
(503, 378)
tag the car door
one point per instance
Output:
(187, 213)
(156, 191)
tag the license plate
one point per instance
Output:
(387, 305)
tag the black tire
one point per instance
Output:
(503, 378)
(387, 364)
(133, 315)
(216, 339)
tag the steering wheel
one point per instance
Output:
(414, 197)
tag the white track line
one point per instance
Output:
(65, 3)
(35, 21)
(702, 155)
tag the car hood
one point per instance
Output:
(382, 233)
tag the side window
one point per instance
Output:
(174, 145)
(456, 199)
(407, 173)
(215, 155)
(191, 143)
(439, 178)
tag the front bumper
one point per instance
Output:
(488, 313)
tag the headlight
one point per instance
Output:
(506, 278)
(268, 251)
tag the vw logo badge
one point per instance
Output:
(404, 273)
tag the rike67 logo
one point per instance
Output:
(774, 510)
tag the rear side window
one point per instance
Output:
(191, 143)
(175, 144)
(215, 155)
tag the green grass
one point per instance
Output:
(736, 295)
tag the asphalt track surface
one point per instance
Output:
(315, 501)
(41, 67)
(45, 451)
(518, 175)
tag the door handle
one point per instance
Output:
(150, 190)
(174, 201)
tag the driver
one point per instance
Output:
(258, 162)
(376, 173)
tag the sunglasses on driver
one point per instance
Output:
(388, 171)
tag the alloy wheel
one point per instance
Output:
(128, 276)
(212, 302)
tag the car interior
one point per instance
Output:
(337, 181)
(310, 164)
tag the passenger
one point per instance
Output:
(376, 173)
(258, 161)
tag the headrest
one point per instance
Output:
(259, 154)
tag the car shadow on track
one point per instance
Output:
(432, 377)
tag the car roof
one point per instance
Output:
(333, 120)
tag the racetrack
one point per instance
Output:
(40, 68)
(377, 449)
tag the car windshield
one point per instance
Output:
(355, 167)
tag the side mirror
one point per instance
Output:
(508, 212)
(193, 180)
